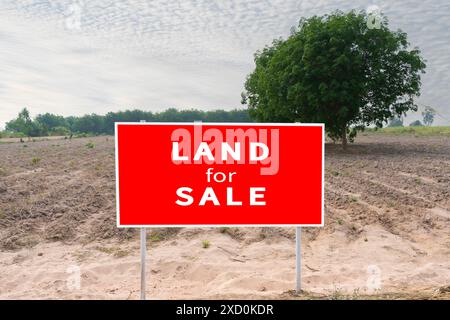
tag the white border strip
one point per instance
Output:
(116, 124)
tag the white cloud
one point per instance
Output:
(76, 57)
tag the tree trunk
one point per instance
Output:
(344, 137)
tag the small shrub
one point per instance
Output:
(90, 145)
(205, 244)
(154, 237)
(35, 161)
(162, 234)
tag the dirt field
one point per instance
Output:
(386, 234)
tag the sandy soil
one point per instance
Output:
(386, 234)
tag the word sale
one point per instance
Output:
(255, 196)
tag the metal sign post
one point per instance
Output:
(298, 256)
(143, 254)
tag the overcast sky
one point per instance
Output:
(76, 57)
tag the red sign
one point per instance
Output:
(217, 174)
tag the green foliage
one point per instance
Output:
(90, 145)
(205, 244)
(428, 115)
(24, 124)
(93, 124)
(49, 122)
(333, 69)
(11, 134)
(35, 160)
(418, 131)
(59, 131)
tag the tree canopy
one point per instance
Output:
(51, 124)
(334, 69)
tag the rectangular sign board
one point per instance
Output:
(219, 174)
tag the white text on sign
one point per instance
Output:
(211, 147)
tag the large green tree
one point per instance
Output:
(334, 69)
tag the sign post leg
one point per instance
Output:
(298, 256)
(143, 254)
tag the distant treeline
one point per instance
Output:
(51, 124)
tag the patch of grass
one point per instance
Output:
(116, 252)
(336, 294)
(121, 253)
(105, 249)
(72, 163)
(356, 294)
(2, 172)
(154, 237)
(206, 244)
(35, 161)
(90, 145)
(340, 222)
(416, 131)
(161, 234)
